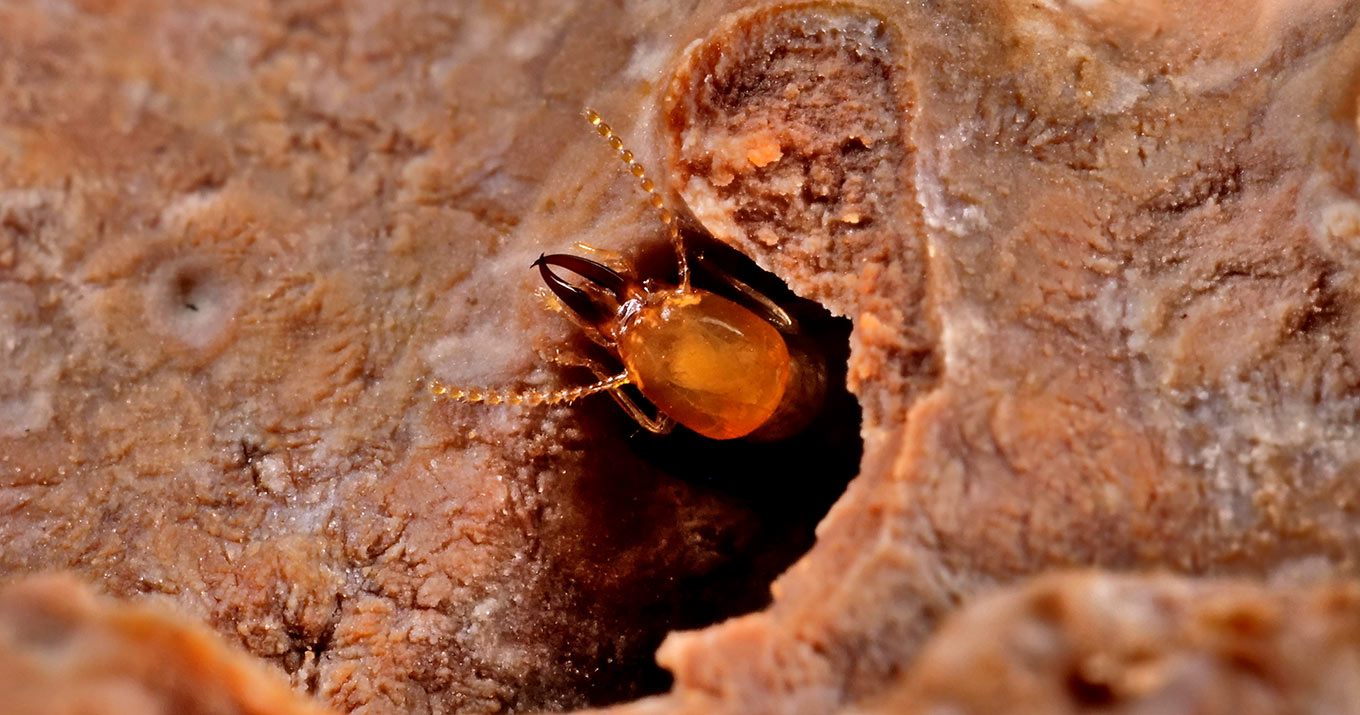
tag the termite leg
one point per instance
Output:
(613, 259)
(660, 424)
(776, 316)
(548, 301)
(551, 302)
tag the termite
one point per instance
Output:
(722, 369)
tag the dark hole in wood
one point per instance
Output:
(786, 487)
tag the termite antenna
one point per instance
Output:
(566, 395)
(648, 186)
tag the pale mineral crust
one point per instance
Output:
(62, 651)
(1099, 258)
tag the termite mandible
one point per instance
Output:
(721, 369)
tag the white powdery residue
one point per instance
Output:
(489, 340)
(483, 355)
(31, 364)
(531, 40)
(972, 216)
(939, 210)
(1126, 91)
(930, 191)
(311, 514)
(1310, 569)
(962, 336)
(715, 214)
(1208, 458)
(18, 314)
(477, 33)
(179, 215)
(485, 609)
(1294, 424)
(20, 200)
(1138, 309)
(647, 62)
(1111, 308)
(273, 474)
(1339, 224)
(1248, 430)
(24, 414)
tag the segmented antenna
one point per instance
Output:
(531, 397)
(634, 168)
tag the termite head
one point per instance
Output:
(600, 301)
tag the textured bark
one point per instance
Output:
(1099, 259)
(1100, 267)
(234, 240)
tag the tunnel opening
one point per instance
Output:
(776, 492)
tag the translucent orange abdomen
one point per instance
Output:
(707, 362)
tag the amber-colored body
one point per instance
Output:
(712, 365)
(704, 361)
(709, 363)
